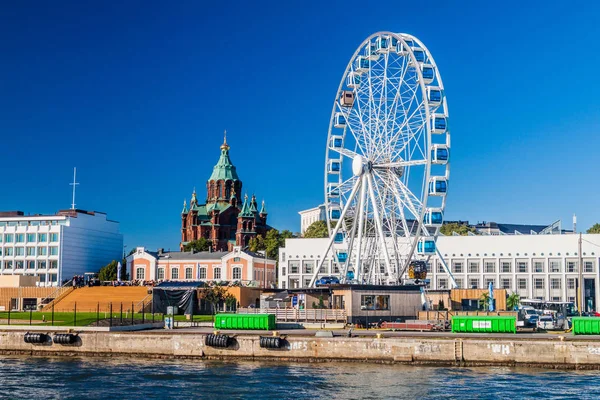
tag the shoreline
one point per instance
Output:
(556, 353)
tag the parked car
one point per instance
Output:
(546, 322)
(327, 280)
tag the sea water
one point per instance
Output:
(128, 378)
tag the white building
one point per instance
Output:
(535, 266)
(57, 247)
(307, 217)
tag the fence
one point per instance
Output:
(444, 315)
(111, 314)
(295, 315)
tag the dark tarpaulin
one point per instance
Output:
(184, 297)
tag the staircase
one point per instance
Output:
(89, 298)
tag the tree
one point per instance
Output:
(317, 229)
(201, 244)
(230, 301)
(256, 243)
(460, 229)
(594, 229)
(109, 272)
(513, 301)
(484, 301)
(213, 295)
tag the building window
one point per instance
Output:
(203, 273)
(8, 264)
(19, 251)
(473, 267)
(457, 267)
(308, 267)
(283, 285)
(571, 266)
(41, 264)
(31, 251)
(236, 259)
(505, 266)
(505, 283)
(440, 267)
(237, 273)
(373, 302)
(554, 265)
(42, 237)
(139, 273)
(522, 266)
(294, 267)
(8, 238)
(571, 299)
(571, 283)
(442, 283)
(19, 264)
(538, 283)
(282, 271)
(522, 283)
(20, 238)
(54, 237)
(538, 266)
(588, 266)
(490, 267)
(474, 283)
(53, 264)
(188, 273)
(160, 274)
(53, 251)
(555, 298)
(31, 237)
(487, 282)
(459, 282)
(555, 283)
(217, 273)
(31, 264)
(306, 282)
(42, 251)
(8, 251)
(174, 273)
(336, 268)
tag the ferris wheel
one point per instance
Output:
(387, 161)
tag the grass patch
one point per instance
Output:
(69, 318)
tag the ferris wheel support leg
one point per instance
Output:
(361, 226)
(378, 224)
(453, 284)
(335, 231)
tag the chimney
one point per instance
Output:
(161, 251)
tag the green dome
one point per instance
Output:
(224, 170)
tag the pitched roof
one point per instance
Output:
(188, 255)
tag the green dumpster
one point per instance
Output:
(245, 321)
(484, 324)
(586, 325)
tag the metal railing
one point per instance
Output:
(295, 315)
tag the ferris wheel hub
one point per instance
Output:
(358, 165)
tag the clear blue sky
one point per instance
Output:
(137, 96)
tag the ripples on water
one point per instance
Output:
(96, 378)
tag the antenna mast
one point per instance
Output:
(75, 183)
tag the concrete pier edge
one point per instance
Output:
(557, 353)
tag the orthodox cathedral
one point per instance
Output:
(223, 218)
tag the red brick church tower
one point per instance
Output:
(223, 219)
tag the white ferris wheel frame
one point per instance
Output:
(361, 186)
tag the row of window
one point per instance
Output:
(31, 223)
(31, 237)
(506, 283)
(308, 267)
(19, 264)
(30, 251)
(554, 266)
(140, 273)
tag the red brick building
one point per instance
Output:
(224, 218)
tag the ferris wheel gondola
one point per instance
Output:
(387, 164)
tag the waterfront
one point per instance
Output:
(125, 378)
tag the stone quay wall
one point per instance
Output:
(561, 353)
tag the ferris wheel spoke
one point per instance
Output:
(379, 225)
(400, 164)
(410, 200)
